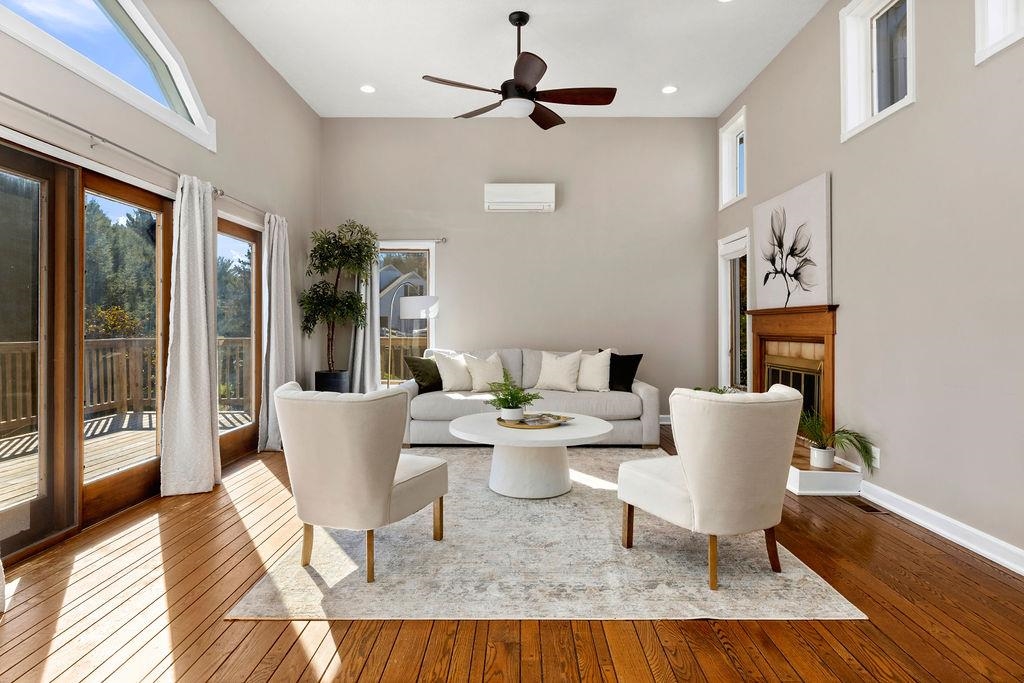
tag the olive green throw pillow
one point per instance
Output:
(425, 372)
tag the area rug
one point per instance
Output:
(503, 558)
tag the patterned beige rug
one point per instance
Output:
(503, 558)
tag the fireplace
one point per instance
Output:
(796, 347)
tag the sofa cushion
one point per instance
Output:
(449, 405)
(511, 359)
(607, 405)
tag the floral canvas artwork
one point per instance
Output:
(791, 248)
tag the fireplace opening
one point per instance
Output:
(794, 370)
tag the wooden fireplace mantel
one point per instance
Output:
(815, 324)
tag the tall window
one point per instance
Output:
(406, 269)
(738, 322)
(732, 160)
(121, 367)
(877, 55)
(998, 25)
(117, 45)
(732, 310)
(239, 348)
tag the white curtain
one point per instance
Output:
(190, 451)
(365, 361)
(278, 330)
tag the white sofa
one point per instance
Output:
(633, 415)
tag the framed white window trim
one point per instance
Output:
(729, 248)
(998, 24)
(429, 246)
(857, 65)
(202, 129)
(728, 162)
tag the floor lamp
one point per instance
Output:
(409, 308)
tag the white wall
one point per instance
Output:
(927, 218)
(268, 138)
(626, 260)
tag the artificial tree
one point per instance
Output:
(349, 250)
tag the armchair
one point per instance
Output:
(730, 475)
(345, 464)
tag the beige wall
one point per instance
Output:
(626, 260)
(927, 238)
(267, 137)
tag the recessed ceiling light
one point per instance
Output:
(669, 89)
(368, 88)
(724, 0)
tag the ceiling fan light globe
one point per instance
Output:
(517, 107)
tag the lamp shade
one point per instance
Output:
(417, 307)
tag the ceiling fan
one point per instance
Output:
(519, 94)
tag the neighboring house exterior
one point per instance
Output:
(395, 284)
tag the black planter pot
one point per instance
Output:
(332, 381)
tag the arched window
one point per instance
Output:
(117, 45)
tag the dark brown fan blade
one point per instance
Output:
(545, 118)
(529, 70)
(481, 110)
(456, 84)
(577, 96)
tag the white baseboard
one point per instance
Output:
(984, 544)
(664, 419)
(848, 463)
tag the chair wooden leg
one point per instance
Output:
(627, 525)
(773, 549)
(369, 556)
(713, 562)
(439, 519)
(307, 544)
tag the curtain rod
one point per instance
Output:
(95, 139)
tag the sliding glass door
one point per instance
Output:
(239, 351)
(37, 476)
(123, 343)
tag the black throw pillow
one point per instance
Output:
(425, 372)
(622, 371)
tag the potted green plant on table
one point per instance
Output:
(350, 250)
(825, 441)
(510, 398)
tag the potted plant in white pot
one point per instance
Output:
(825, 441)
(510, 398)
(350, 250)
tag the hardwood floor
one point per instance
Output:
(141, 598)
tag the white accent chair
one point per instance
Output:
(730, 475)
(346, 466)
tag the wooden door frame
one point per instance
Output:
(243, 440)
(113, 493)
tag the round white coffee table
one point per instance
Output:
(530, 463)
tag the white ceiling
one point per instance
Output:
(327, 49)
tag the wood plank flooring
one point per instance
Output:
(141, 598)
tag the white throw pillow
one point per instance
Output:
(484, 372)
(594, 371)
(559, 373)
(454, 373)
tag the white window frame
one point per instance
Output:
(419, 245)
(728, 160)
(729, 248)
(998, 24)
(202, 129)
(857, 65)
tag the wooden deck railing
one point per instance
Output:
(120, 376)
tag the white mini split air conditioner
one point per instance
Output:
(519, 197)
